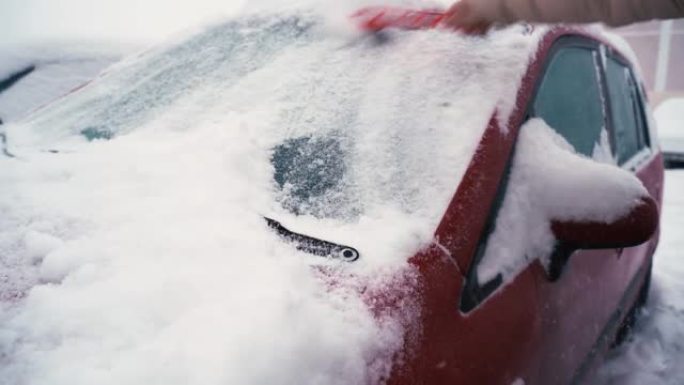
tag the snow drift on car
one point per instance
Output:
(132, 234)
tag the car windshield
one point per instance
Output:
(349, 127)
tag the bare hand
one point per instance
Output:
(463, 17)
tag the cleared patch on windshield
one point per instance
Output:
(310, 174)
(97, 133)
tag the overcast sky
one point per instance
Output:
(119, 20)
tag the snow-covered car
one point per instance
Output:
(273, 201)
(670, 118)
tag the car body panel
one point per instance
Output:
(453, 345)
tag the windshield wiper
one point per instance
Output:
(313, 245)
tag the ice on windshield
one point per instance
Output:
(310, 173)
(350, 124)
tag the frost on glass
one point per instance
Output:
(310, 175)
(140, 89)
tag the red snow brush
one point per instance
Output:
(375, 19)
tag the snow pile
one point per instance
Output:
(57, 71)
(154, 267)
(132, 239)
(655, 353)
(550, 181)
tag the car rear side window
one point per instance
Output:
(569, 98)
(630, 136)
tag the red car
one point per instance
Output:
(546, 324)
(499, 195)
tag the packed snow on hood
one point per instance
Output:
(132, 235)
(540, 192)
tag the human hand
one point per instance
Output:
(463, 16)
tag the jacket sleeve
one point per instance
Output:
(611, 12)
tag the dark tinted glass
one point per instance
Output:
(624, 104)
(308, 172)
(569, 99)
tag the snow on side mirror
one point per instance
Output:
(558, 201)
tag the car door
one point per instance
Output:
(578, 303)
(573, 306)
(582, 309)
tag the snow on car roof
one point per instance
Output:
(138, 201)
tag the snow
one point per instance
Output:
(655, 353)
(570, 188)
(144, 277)
(141, 255)
(58, 70)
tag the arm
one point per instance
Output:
(612, 12)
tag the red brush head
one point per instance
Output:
(375, 19)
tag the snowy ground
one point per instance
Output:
(655, 354)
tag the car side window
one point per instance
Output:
(569, 98)
(628, 125)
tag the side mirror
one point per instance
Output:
(635, 228)
(557, 202)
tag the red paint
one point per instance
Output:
(639, 226)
